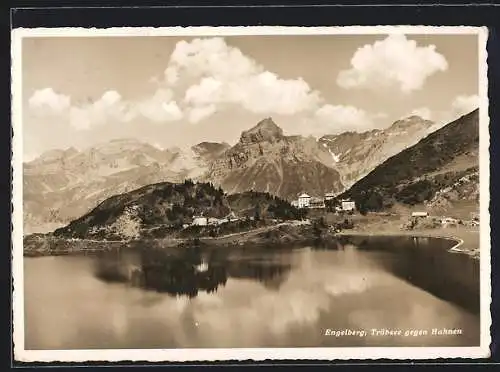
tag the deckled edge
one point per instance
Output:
(256, 354)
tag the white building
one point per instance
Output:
(348, 205)
(449, 221)
(304, 200)
(231, 217)
(213, 221)
(200, 221)
(295, 203)
(420, 214)
(329, 196)
(316, 203)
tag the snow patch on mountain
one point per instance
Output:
(335, 157)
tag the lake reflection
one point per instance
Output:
(188, 271)
(251, 297)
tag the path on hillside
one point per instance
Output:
(248, 233)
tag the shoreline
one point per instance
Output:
(282, 233)
(466, 241)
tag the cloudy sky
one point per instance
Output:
(181, 91)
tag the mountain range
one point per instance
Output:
(440, 170)
(264, 159)
(357, 154)
(62, 185)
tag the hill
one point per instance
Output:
(168, 206)
(441, 162)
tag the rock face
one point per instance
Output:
(442, 168)
(265, 131)
(356, 154)
(209, 151)
(266, 160)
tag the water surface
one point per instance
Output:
(254, 297)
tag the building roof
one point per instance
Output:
(329, 194)
(304, 195)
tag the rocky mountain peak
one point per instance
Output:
(210, 147)
(125, 140)
(410, 121)
(71, 151)
(265, 130)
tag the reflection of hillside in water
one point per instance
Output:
(271, 274)
(387, 284)
(427, 263)
(186, 272)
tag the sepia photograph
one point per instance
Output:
(235, 193)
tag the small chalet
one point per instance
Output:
(304, 200)
(348, 205)
(316, 203)
(329, 196)
(419, 214)
(200, 221)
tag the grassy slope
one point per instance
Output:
(415, 174)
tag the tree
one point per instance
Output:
(374, 202)
(319, 226)
(256, 215)
(362, 208)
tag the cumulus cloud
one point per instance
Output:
(196, 114)
(222, 75)
(338, 118)
(48, 101)
(171, 75)
(393, 62)
(463, 104)
(160, 107)
(423, 112)
(109, 108)
(204, 76)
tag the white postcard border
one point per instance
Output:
(258, 354)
